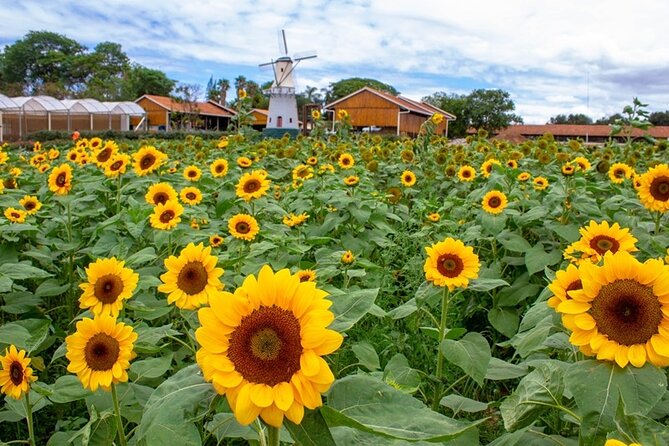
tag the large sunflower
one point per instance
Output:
(166, 215)
(60, 179)
(450, 263)
(31, 204)
(346, 161)
(219, 168)
(654, 188)
(619, 172)
(582, 163)
(147, 160)
(105, 153)
(494, 202)
(100, 351)
(243, 227)
(160, 193)
(262, 347)
(466, 173)
(302, 172)
(253, 185)
(192, 279)
(117, 165)
(15, 375)
(15, 215)
(108, 284)
(620, 312)
(244, 161)
(540, 183)
(487, 166)
(601, 238)
(192, 173)
(408, 178)
(191, 195)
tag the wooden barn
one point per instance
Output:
(260, 118)
(373, 110)
(163, 113)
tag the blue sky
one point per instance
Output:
(553, 57)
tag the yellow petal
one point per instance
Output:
(660, 344)
(621, 356)
(573, 307)
(295, 413)
(272, 416)
(584, 321)
(262, 395)
(283, 396)
(245, 411)
(309, 364)
(637, 355)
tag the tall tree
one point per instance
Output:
(455, 104)
(217, 90)
(659, 118)
(105, 67)
(140, 80)
(578, 119)
(344, 87)
(187, 94)
(491, 110)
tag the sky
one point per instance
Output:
(553, 57)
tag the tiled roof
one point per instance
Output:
(203, 108)
(571, 130)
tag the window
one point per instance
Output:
(279, 121)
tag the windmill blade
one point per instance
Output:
(283, 46)
(266, 64)
(305, 55)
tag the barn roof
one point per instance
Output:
(574, 131)
(204, 108)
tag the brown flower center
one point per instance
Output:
(603, 243)
(160, 198)
(147, 161)
(16, 215)
(219, 168)
(192, 173)
(251, 186)
(346, 161)
(407, 178)
(494, 202)
(108, 288)
(659, 188)
(116, 165)
(167, 216)
(104, 154)
(449, 265)
(619, 173)
(61, 179)
(466, 173)
(16, 373)
(266, 346)
(627, 312)
(30, 205)
(191, 195)
(101, 352)
(192, 278)
(242, 227)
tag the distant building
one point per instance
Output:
(161, 111)
(594, 133)
(376, 110)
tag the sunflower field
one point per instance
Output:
(334, 290)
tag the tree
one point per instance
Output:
(578, 119)
(607, 120)
(455, 104)
(140, 80)
(344, 87)
(187, 94)
(659, 118)
(217, 90)
(105, 68)
(491, 110)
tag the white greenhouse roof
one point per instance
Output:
(85, 106)
(40, 104)
(7, 103)
(125, 108)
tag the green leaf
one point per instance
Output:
(50, 288)
(174, 407)
(38, 336)
(500, 370)
(643, 430)
(536, 259)
(399, 375)
(366, 355)
(598, 387)
(459, 403)
(505, 320)
(484, 284)
(533, 396)
(151, 367)
(471, 354)
(406, 309)
(493, 224)
(68, 388)
(349, 307)
(13, 333)
(312, 431)
(21, 271)
(141, 257)
(535, 213)
(513, 242)
(5, 284)
(367, 404)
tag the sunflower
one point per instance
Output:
(117, 165)
(346, 161)
(351, 180)
(100, 351)
(15, 172)
(44, 168)
(15, 215)
(450, 263)
(620, 312)
(306, 275)
(494, 202)
(394, 195)
(568, 169)
(303, 172)
(37, 146)
(252, 185)
(315, 115)
(486, 167)
(601, 238)
(223, 143)
(619, 172)
(437, 118)
(191, 195)
(434, 217)
(31, 204)
(166, 215)
(326, 168)
(466, 173)
(347, 257)
(295, 220)
(148, 159)
(108, 284)
(512, 164)
(160, 193)
(262, 347)
(60, 179)
(654, 189)
(215, 241)
(243, 227)
(15, 375)
(95, 143)
(564, 282)
(192, 279)
(540, 183)
(523, 176)
(105, 153)
(408, 178)
(342, 114)
(614, 442)
(312, 161)
(53, 154)
(192, 173)
(244, 161)
(582, 162)
(219, 168)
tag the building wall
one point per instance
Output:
(367, 109)
(155, 114)
(410, 123)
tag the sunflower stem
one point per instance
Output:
(273, 436)
(440, 355)
(29, 418)
(119, 420)
(118, 194)
(658, 218)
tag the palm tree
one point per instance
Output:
(223, 87)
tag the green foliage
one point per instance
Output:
(344, 87)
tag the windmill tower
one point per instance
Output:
(282, 116)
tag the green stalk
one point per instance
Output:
(29, 418)
(440, 355)
(658, 218)
(272, 436)
(119, 420)
(118, 194)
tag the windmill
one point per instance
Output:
(282, 116)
